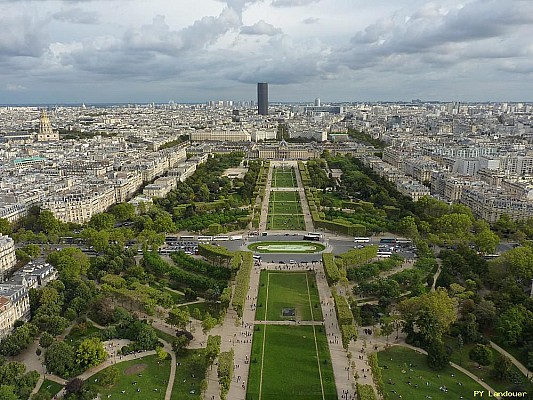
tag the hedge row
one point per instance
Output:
(355, 257)
(330, 267)
(376, 373)
(365, 392)
(225, 372)
(348, 333)
(344, 314)
(242, 282)
(216, 254)
(345, 319)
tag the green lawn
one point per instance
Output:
(460, 357)
(284, 196)
(187, 387)
(286, 222)
(78, 333)
(284, 178)
(288, 290)
(279, 207)
(148, 372)
(290, 368)
(50, 387)
(401, 366)
(286, 247)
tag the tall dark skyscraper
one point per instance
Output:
(262, 98)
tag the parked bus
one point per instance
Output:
(311, 237)
(205, 238)
(384, 254)
(388, 241)
(219, 238)
(361, 240)
(187, 238)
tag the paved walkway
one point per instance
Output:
(517, 363)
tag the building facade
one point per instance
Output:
(7, 256)
(262, 98)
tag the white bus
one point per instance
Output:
(384, 254)
(218, 238)
(187, 238)
(361, 240)
(205, 238)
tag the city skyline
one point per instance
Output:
(338, 50)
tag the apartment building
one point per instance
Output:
(7, 256)
(14, 306)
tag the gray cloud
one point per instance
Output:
(22, 35)
(76, 16)
(311, 21)
(261, 28)
(293, 3)
(430, 34)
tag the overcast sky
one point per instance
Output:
(75, 51)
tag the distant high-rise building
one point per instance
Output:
(317, 102)
(262, 98)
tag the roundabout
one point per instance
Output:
(286, 247)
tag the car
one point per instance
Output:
(292, 262)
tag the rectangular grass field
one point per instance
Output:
(286, 222)
(283, 290)
(284, 196)
(284, 177)
(278, 207)
(290, 362)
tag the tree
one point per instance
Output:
(481, 354)
(60, 359)
(109, 376)
(502, 368)
(407, 226)
(486, 241)
(178, 317)
(161, 353)
(46, 340)
(7, 392)
(431, 314)
(180, 343)
(102, 221)
(90, 352)
(511, 324)
(74, 385)
(33, 250)
(437, 357)
(123, 211)
(208, 322)
(5, 227)
(48, 223)
(386, 329)
(71, 263)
